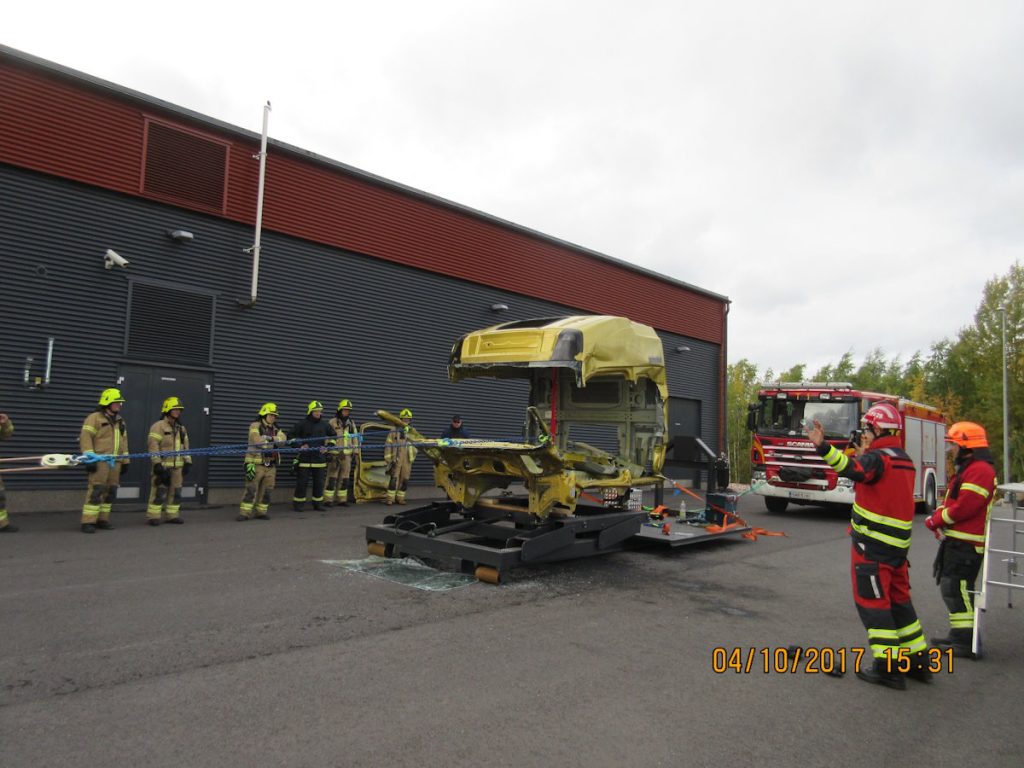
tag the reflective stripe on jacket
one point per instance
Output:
(969, 499)
(104, 434)
(398, 449)
(261, 433)
(348, 432)
(166, 435)
(883, 508)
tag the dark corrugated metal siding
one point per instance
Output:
(57, 125)
(328, 324)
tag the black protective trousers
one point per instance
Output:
(956, 571)
(303, 474)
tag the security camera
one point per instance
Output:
(110, 258)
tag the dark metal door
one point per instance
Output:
(144, 389)
(682, 462)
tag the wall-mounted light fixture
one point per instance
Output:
(682, 348)
(499, 307)
(181, 235)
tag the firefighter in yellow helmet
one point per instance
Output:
(313, 435)
(261, 464)
(105, 433)
(168, 435)
(6, 430)
(340, 466)
(399, 453)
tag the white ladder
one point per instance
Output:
(1016, 494)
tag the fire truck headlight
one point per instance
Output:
(758, 477)
(844, 482)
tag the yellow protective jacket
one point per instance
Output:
(399, 449)
(261, 433)
(167, 436)
(348, 433)
(104, 434)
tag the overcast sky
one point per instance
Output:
(848, 174)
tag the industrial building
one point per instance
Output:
(364, 285)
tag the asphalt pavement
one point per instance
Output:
(218, 643)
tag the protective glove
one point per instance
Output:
(934, 521)
(391, 467)
(186, 469)
(250, 471)
(90, 467)
(295, 465)
(162, 475)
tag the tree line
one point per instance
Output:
(963, 376)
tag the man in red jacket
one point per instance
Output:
(880, 527)
(962, 516)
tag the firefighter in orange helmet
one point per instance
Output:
(962, 516)
(880, 526)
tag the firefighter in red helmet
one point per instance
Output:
(962, 516)
(880, 526)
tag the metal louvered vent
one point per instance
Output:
(184, 166)
(168, 324)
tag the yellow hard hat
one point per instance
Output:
(314, 405)
(268, 409)
(345, 403)
(108, 396)
(171, 403)
(405, 414)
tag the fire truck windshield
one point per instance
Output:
(784, 417)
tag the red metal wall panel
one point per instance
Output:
(71, 128)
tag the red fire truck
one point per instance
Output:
(786, 468)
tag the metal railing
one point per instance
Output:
(1012, 557)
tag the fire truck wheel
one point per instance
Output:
(927, 506)
(775, 504)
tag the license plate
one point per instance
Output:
(801, 495)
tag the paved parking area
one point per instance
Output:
(226, 644)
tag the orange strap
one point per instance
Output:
(736, 520)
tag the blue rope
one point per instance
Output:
(240, 449)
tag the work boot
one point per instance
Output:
(960, 640)
(880, 674)
(241, 518)
(9, 529)
(174, 521)
(153, 521)
(342, 504)
(262, 517)
(919, 663)
(104, 525)
(296, 506)
(317, 506)
(88, 528)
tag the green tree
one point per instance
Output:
(743, 385)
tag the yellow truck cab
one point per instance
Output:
(587, 375)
